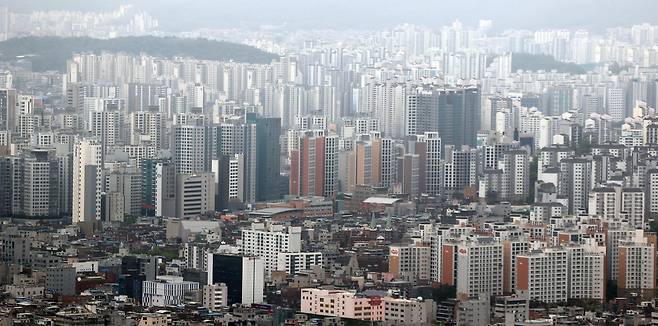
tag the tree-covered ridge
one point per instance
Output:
(51, 53)
(534, 62)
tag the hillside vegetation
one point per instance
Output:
(51, 53)
(534, 62)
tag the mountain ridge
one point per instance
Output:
(51, 52)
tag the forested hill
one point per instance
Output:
(534, 62)
(51, 53)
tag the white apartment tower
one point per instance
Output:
(146, 126)
(516, 175)
(575, 182)
(105, 125)
(190, 150)
(195, 194)
(410, 262)
(432, 154)
(87, 166)
(632, 206)
(586, 269)
(268, 240)
(651, 193)
(479, 267)
(543, 275)
(459, 168)
(615, 103)
(165, 189)
(637, 267)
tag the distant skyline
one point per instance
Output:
(176, 15)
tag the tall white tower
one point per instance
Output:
(87, 161)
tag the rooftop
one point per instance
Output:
(381, 200)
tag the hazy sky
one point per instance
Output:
(175, 15)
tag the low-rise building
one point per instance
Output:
(215, 296)
(154, 319)
(61, 280)
(511, 309)
(410, 311)
(340, 303)
(346, 304)
(166, 290)
(25, 291)
(295, 262)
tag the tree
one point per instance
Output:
(491, 197)
(443, 292)
(584, 146)
(129, 220)
(587, 304)
(653, 226)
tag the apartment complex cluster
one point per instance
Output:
(411, 176)
(125, 20)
